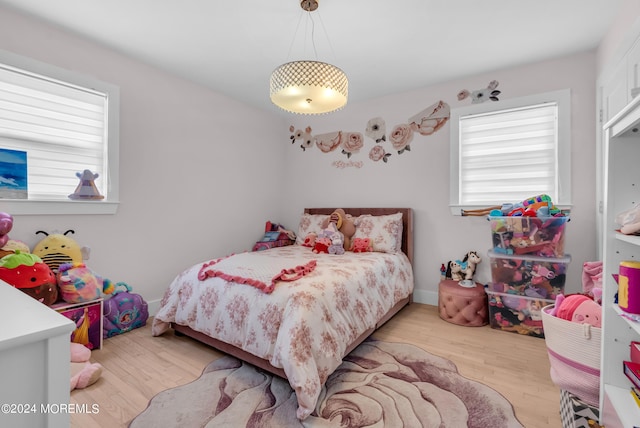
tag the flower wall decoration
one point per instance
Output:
(425, 122)
(376, 129)
(377, 153)
(352, 144)
(400, 137)
(481, 95)
(430, 119)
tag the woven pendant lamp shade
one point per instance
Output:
(309, 87)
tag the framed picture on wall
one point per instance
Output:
(13, 174)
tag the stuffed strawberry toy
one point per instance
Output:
(27, 272)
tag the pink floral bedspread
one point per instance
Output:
(303, 326)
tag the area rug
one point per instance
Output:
(380, 384)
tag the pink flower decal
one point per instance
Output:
(377, 153)
(352, 143)
(328, 142)
(400, 137)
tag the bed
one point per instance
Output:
(303, 327)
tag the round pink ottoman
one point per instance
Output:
(462, 305)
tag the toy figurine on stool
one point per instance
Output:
(461, 300)
(462, 271)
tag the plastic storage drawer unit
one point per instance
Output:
(516, 314)
(531, 236)
(539, 277)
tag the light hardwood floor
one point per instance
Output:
(137, 366)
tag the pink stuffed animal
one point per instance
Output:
(310, 240)
(361, 245)
(578, 308)
(83, 372)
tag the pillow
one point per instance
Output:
(385, 231)
(309, 223)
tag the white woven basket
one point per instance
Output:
(574, 355)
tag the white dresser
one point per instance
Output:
(34, 362)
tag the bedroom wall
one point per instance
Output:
(620, 36)
(199, 172)
(419, 178)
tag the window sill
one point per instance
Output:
(55, 207)
(457, 210)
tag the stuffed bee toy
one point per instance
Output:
(58, 248)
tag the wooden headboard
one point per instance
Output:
(407, 222)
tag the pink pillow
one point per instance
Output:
(309, 223)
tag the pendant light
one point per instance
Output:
(309, 86)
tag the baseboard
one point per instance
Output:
(426, 297)
(153, 306)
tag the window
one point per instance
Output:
(510, 150)
(66, 123)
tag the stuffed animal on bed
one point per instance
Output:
(310, 240)
(344, 224)
(321, 245)
(323, 240)
(28, 273)
(578, 308)
(337, 243)
(361, 245)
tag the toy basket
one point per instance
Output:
(574, 355)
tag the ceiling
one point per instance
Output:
(383, 46)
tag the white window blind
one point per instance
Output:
(508, 155)
(510, 150)
(61, 126)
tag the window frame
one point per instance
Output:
(563, 100)
(109, 205)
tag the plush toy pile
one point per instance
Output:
(335, 236)
(54, 271)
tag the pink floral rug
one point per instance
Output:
(378, 384)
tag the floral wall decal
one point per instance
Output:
(304, 136)
(481, 95)
(328, 142)
(400, 137)
(378, 153)
(376, 129)
(352, 144)
(425, 122)
(430, 119)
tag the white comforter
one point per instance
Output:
(303, 326)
